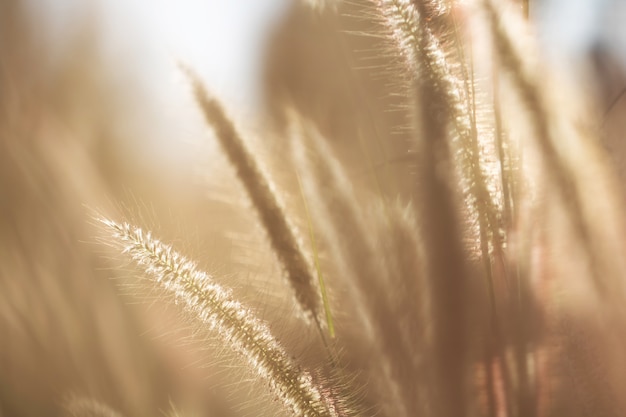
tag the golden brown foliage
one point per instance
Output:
(467, 222)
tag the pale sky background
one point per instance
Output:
(223, 40)
(569, 27)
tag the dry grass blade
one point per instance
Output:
(318, 268)
(236, 325)
(565, 177)
(438, 97)
(445, 260)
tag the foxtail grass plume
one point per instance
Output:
(237, 326)
(280, 232)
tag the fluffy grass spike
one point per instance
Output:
(280, 232)
(236, 325)
(401, 19)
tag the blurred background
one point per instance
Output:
(95, 114)
(140, 44)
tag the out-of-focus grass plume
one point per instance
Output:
(62, 327)
(421, 220)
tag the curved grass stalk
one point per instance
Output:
(215, 307)
(558, 169)
(439, 66)
(420, 40)
(423, 29)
